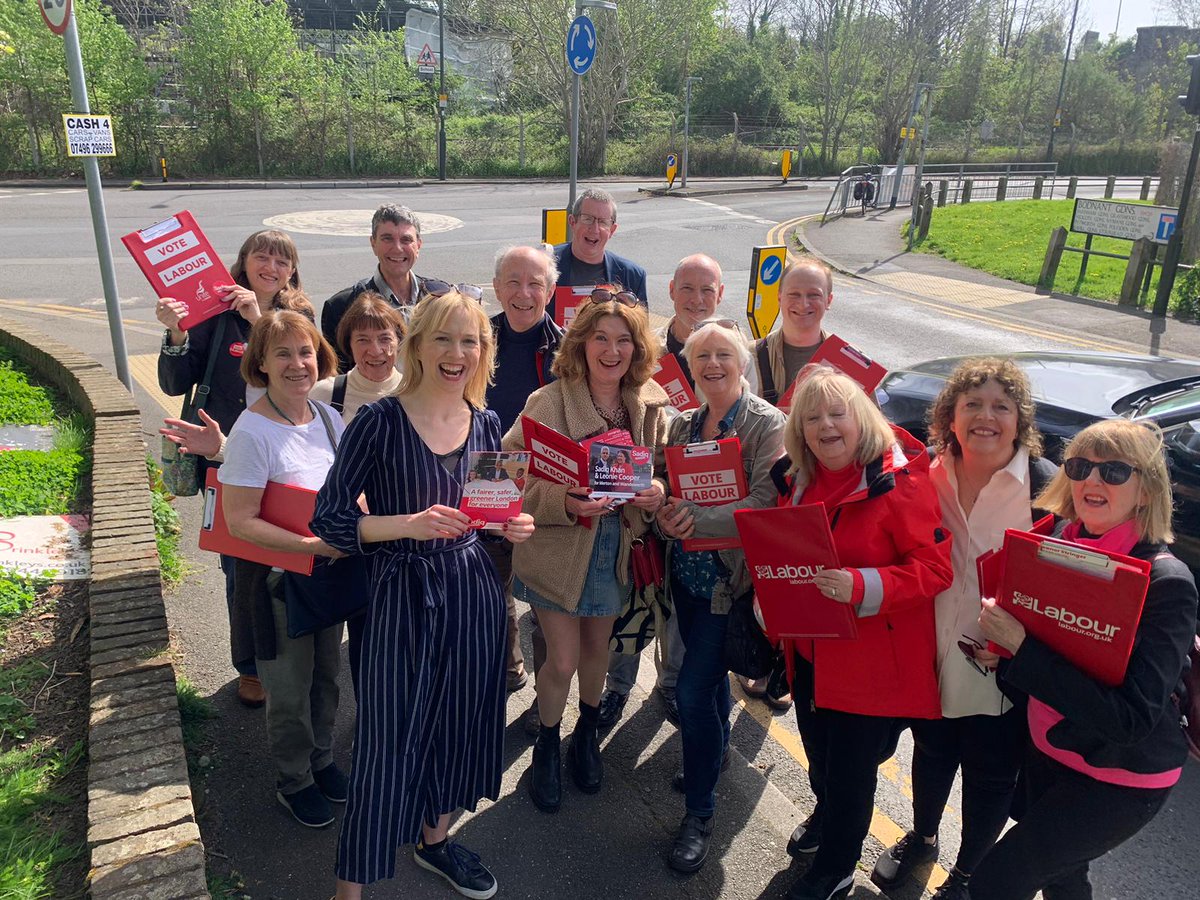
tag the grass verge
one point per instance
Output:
(1009, 240)
(22, 402)
(167, 531)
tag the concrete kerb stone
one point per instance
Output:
(141, 819)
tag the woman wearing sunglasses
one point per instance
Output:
(1102, 760)
(987, 471)
(576, 569)
(703, 583)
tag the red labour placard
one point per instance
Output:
(708, 474)
(284, 505)
(850, 361)
(179, 262)
(669, 375)
(785, 547)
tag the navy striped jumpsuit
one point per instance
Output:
(430, 731)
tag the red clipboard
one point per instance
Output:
(708, 474)
(567, 300)
(784, 548)
(284, 505)
(850, 361)
(1081, 602)
(180, 262)
(669, 375)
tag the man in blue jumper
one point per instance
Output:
(584, 260)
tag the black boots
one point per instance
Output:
(545, 779)
(584, 755)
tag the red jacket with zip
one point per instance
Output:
(888, 529)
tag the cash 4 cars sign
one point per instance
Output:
(89, 135)
(56, 13)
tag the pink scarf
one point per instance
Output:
(1120, 539)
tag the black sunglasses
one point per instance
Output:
(434, 287)
(1111, 472)
(968, 648)
(614, 294)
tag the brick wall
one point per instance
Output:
(142, 829)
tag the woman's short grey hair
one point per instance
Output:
(545, 250)
(732, 336)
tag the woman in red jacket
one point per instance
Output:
(887, 527)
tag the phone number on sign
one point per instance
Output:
(94, 148)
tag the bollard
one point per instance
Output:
(1145, 194)
(1038, 182)
(1109, 186)
(924, 218)
(1072, 186)
(1054, 252)
(943, 191)
(1134, 271)
(1001, 187)
(966, 191)
(162, 161)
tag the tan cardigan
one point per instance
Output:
(554, 561)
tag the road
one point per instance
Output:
(49, 279)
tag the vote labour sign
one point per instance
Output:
(179, 262)
(89, 135)
(708, 474)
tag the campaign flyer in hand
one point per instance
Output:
(495, 487)
(619, 471)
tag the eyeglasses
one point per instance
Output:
(1112, 472)
(613, 293)
(968, 648)
(589, 220)
(433, 287)
(731, 324)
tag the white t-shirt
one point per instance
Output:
(260, 450)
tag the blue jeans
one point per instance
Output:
(702, 693)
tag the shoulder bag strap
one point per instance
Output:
(199, 398)
(766, 378)
(320, 410)
(338, 399)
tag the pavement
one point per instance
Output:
(871, 248)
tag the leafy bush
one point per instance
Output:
(40, 483)
(167, 531)
(1185, 298)
(19, 592)
(21, 403)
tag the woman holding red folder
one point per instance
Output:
(887, 528)
(987, 472)
(1102, 760)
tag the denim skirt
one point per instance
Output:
(603, 594)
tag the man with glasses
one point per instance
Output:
(396, 243)
(696, 289)
(526, 341)
(584, 260)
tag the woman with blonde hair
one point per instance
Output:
(1101, 760)
(577, 575)
(988, 469)
(851, 694)
(430, 730)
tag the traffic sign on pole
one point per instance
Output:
(581, 45)
(672, 169)
(762, 302)
(56, 13)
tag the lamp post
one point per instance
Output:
(580, 6)
(687, 110)
(441, 90)
(1062, 84)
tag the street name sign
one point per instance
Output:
(581, 45)
(1128, 221)
(89, 135)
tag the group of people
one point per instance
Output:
(428, 379)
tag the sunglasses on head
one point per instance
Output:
(1111, 472)
(433, 287)
(731, 324)
(615, 294)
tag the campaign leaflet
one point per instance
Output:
(567, 300)
(179, 262)
(495, 487)
(785, 547)
(669, 375)
(618, 470)
(708, 474)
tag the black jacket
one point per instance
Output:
(335, 307)
(178, 374)
(1135, 725)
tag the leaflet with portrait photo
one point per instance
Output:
(495, 487)
(618, 470)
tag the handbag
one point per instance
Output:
(646, 612)
(180, 471)
(747, 650)
(336, 590)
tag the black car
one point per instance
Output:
(1073, 390)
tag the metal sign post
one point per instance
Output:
(582, 47)
(91, 173)
(687, 117)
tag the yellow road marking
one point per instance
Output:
(62, 311)
(144, 369)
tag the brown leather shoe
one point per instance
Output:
(250, 691)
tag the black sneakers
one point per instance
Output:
(953, 888)
(459, 866)
(332, 783)
(806, 839)
(901, 858)
(612, 705)
(307, 806)
(820, 887)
